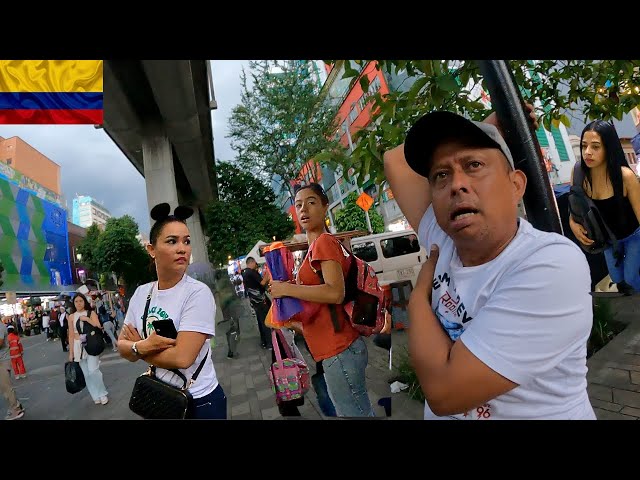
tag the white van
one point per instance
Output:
(395, 256)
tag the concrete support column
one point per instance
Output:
(198, 245)
(158, 168)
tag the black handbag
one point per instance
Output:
(73, 377)
(155, 399)
(94, 344)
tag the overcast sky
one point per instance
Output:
(91, 164)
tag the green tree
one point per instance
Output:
(281, 122)
(586, 89)
(88, 248)
(243, 215)
(119, 251)
(352, 217)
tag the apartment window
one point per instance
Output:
(353, 114)
(9, 161)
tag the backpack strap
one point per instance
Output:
(332, 307)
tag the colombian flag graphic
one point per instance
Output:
(51, 92)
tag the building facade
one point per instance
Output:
(86, 211)
(33, 241)
(30, 169)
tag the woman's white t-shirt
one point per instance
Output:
(191, 306)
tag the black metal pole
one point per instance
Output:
(539, 200)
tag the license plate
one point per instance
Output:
(405, 273)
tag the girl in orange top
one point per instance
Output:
(343, 352)
(15, 352)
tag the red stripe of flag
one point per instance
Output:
(53, 117)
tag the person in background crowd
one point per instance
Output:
(16, 410)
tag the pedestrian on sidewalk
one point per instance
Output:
(254, 285)
(188, 303)
(90, 364)
(46, 324)
(16, 410)
(612, 185)
(63, 328)
(15, 352)
(341, 350)
(107, 322)
(501, 312)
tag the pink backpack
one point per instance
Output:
(289, 377)
(365, 301)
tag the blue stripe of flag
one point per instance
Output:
(51, 101)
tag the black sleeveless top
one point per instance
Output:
(621, 221)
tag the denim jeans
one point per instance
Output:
(629, 267)
(346, 383)
(212, 406)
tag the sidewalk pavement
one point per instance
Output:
(245, 377)
(614, 370)
(613, 377)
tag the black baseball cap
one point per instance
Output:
(433, 128)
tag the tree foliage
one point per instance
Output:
(116, 250)
(1, 271)
(243, 215)
(562, 90)
(281, 122)
(88, 247)
(352, 217)
(119, 250)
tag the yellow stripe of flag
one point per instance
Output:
(63, 76)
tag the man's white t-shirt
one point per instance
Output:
(191, 306)
(527, 314)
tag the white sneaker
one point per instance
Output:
(104, 400)
(97, 402)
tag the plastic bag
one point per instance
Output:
(73, 377)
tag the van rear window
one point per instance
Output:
(365, 251)
(396, 246)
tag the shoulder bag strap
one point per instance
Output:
(173, 370)
(332, 307)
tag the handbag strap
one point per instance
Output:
(275, 333)
(152, 368)
(276, 348)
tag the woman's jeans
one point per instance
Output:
(346, 383)
(628, 269)
(212, 406)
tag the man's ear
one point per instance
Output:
(519, 181)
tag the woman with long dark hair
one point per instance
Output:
(340, 348)
(615, 190)
(90, 364)
(188, 303)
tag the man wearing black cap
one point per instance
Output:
(501, 312)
